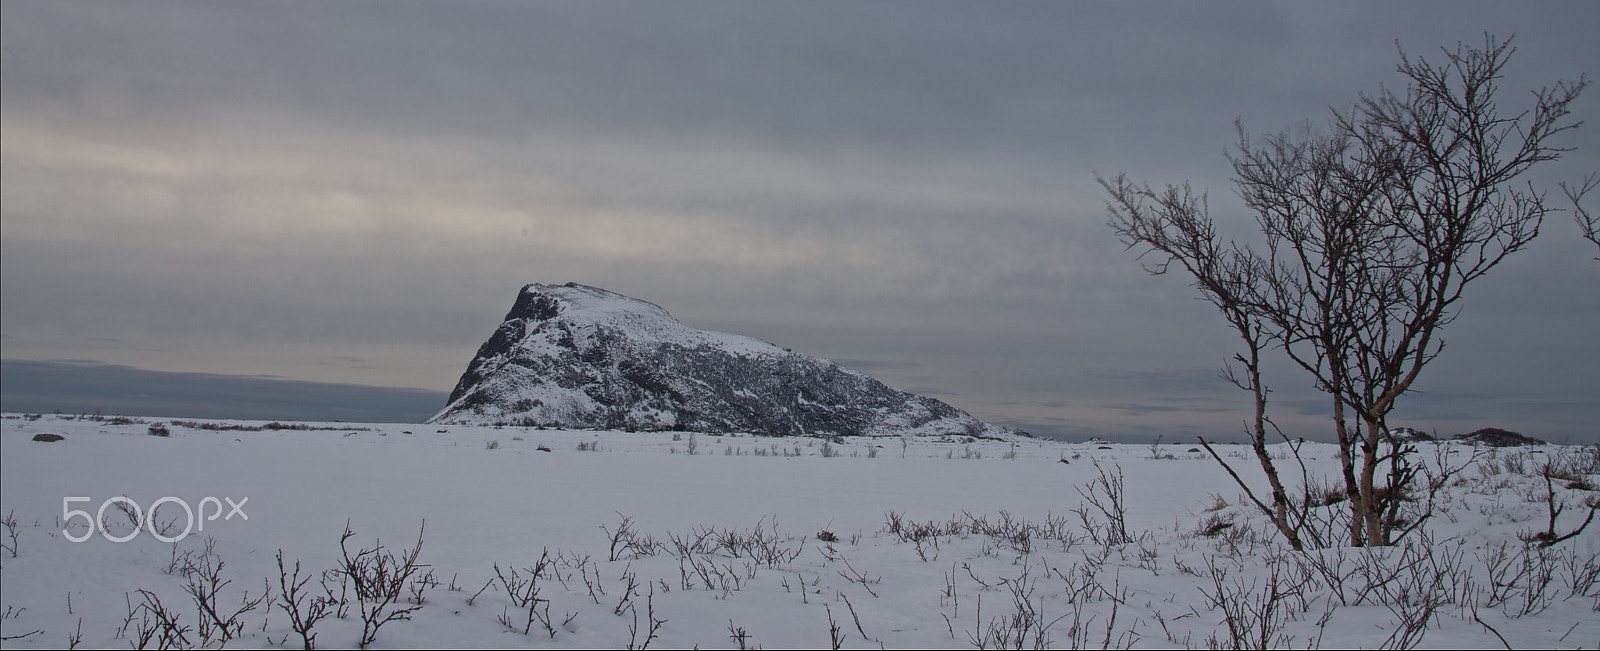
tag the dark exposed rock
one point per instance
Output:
(48, 438)
(574, 356)
(1499, 438)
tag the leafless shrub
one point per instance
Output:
(156, 624)
(739, 636)
(1518, 582)
(1214, 524)
(1105, 494)
(630, 589)
(762, 543)
(1516, 464)
(1408, 516)
(75, 638)
(304, 610)
(419, 587)
(717, 577)
(851, 574)
(1026, 626)
(1254, 617)
(1581, 461)
(240, 427)
(585, 566)
(379, 578)
(12, 612)
(1008, 530)
(216, 427)
(10, 524)
(835, 632)
(1554, 506)
(1083, 587)
(652, 627)
(1582, 575)
(523, 589)
(205, 583)
(1412, 581)
(1018, 533)
(1157, 453)
(628, 544)
(129, 509)
(856, 618)
(914, 531)
(341, 602)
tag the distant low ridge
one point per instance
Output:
(577, 356)
(1496, 437)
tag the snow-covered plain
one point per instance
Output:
(749, 541)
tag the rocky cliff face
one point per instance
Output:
(576, 356)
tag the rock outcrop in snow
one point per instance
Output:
(1499, 438)
(577, 356)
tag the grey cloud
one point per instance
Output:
(1040, 80)
(242, 188)
(1142, 409)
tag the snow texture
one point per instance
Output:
(911, 542)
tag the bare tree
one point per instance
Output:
(1449, 211)
(1370, 234)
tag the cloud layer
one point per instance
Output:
(353, 192)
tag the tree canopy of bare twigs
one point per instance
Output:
(1588, 223)
(1370, 232)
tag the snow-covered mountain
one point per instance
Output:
(576, 356)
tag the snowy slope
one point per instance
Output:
(576, 356)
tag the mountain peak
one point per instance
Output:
(578, 356)
(545, 302)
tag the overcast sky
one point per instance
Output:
(354, 192)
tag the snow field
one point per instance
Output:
(940, 543)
